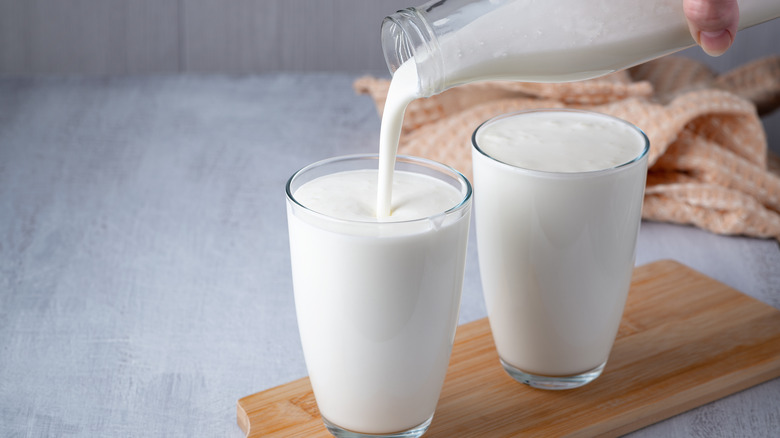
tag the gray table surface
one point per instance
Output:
(144, 271)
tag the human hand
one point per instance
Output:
(713, 23)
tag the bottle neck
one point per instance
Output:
(408, 37)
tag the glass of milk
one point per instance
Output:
(377, 300)
(558, 208)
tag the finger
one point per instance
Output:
(713, 23)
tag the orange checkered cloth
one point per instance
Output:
(709, 164)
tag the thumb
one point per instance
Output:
(713, 23)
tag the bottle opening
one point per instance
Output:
(397, 46)
(407, 35)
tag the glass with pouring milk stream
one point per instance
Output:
(377, 299)
(558, 200)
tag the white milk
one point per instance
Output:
(352, 196)
(403, 90)
(561, 141)
(556, 250)
(539, 40)
(563, 40)
(377, 303)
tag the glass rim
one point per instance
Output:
(420, 161)
(551, 173)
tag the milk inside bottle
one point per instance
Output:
(454, 42)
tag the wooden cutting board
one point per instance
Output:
(685, 340)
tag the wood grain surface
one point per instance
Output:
(685, 340)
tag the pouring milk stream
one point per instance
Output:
(445, 43)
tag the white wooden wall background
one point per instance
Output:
(151, 36)
(227, 36)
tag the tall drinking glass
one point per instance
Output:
(377, 301)
(558, 208)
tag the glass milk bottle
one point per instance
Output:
(453, 42)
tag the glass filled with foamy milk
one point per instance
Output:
(377, 298)
(558, 200)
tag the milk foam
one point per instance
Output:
(351, 195)
(555, 141)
